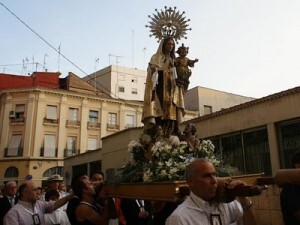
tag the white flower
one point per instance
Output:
(154, 150)
(181, 166)
(169, 162)
(169, 157)
(214, 161)
(160, 163)
(173, 170)
(167, 147)
(182, 157)
(163, 173)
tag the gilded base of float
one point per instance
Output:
(174, 191)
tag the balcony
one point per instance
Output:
(13, 152)
(70, 152)
(49, 153)
(93, 125)
(50, 121)
(17, 121)
(113, 126)
(73, 123)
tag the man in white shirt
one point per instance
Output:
(29, 210)
(58, 216)
(200, 208)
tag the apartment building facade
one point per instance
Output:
(44, 118)
(119, 82)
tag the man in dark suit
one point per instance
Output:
(9, 199)
(290, 197)
(136, 211)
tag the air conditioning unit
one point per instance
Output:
(12, 114)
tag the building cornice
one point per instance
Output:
(28, 159)
(71, 94)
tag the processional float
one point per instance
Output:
(172, 23)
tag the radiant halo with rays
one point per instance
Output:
(168, 23)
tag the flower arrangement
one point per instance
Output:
(166, 159)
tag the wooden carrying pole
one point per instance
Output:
(176, 191)
(171, 191)
(283, 176)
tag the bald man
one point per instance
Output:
(29, 210)
(200, 208)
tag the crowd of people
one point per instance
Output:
(88, 203)
(84, 203)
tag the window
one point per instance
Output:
(207, 109)
(14, 145)
(54, 170)
(121, 89)
(232, 152)
(112, 121)
(92, 144)
(11, 172)
(71, 146)
(112, 118)
(134, 91)
(248, 151)
(20, 111)
(129, 121)
(51, 112)
(134, 80)
(93, 117)
(289, 141)
(73, 115)
(71, 143)
(121, 77)
(49, 145)
(257, 153)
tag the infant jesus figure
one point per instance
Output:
(182, 64)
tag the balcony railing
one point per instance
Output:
(13, 152)
(42, 152)
(70, 152)
(50, 121)
(93, 125)
(17, 120)
(73, 123)
(113, 126)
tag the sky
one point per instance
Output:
(246, 47)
